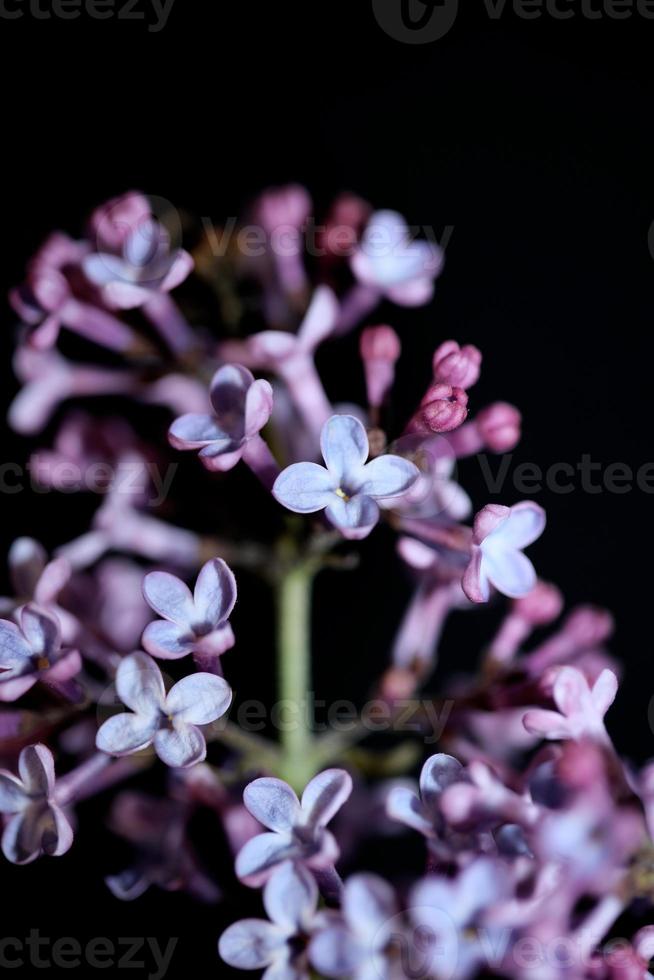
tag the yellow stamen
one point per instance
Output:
(43, 663)
(342, 494)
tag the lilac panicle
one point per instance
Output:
(346, 487)
(297, 828)
(195, 622)
(167, 721)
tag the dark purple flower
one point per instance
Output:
(32, 652)
(36, 824)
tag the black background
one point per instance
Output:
(532, 139)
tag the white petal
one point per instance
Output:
(344, 446)
(125, 733)
(169, 596)
(511, 572)
(291, 896)
(36, 769)
(199, 699)
(214, 595)
(273, 803)
(304, 487)
(262, 853)
(251, 944)
(325, 795)
(388, 476)
(139, 684)
(181, 746)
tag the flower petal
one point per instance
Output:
(291, 897)
(139, 684)
(604, 691)
(439, 772)
(354, 518)
(368, 904)
(27, 559)
(194, 431)
(570, 691)
(546, 724)
(13, 798)
(304, 488)
(228, 394)
(170, 597)
(320, 319)
(523, 526)
(388, 476)
(214, 595)
(56, 833)
(15, 654)
(334, 953)
(55, 576)
(199, 699)
(181, 746)
(180, 268)
(344, 446)
(511, 572)
(167, 641)
(325, 795)
(125, 733)
(404, 806)
(41, 630)
(273, 803)
(258, 407)
(251, 944)
(262, 853)
(36, 769)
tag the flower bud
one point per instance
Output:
(540, 606)
(499, 426)
(588, 626)
(279, 207)
(380, 349)
(443, 408)
(455, 365)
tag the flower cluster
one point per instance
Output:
(535, 835)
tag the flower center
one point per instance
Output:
(42, 663)
(342, 494)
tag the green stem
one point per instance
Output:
(294, 653)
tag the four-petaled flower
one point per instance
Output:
(142, 265)
(193, 622)
(34, 653)
(36, 825)
(363, 945)
(389, 261)
(241, 407)
(167, 721)
(500, 534)
(347, 487)
(581, 707)
(298, 828)
(290, 899)
(422, 812)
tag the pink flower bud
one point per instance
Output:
(499, 426)
(540, 606)
(589, 626)
(455, 365)
(380, 344)
(442, 409)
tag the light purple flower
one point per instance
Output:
(36, 824)
(581, 707)
(35, 579)
(297, 828)
(33, 652)
(195, 622)
(167, 721)
(388, 261)
(363, 944)
(242, 406)
(500, 534)
(279, 945)
(348, 487)
(422, 812)
(142, 264)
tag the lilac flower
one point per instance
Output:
(141, 262)
(193, 623)
(279, 945)
(298, 828)
(241, 405)
(33, 652)
(581, 708)
(35, 579)
(348, 487)
(36, 824)
(52, 297)
(422, 812)
(388, 261)
(168, 721)
(447, 911)
(500, 534)
(362, 944)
